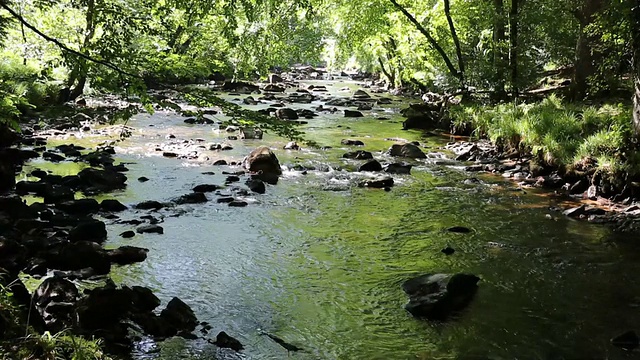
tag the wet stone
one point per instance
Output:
(128, 234)
(150, 229)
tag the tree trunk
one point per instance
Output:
(388, 74)
(499, 37)
(513, 46)
(456, 41)
(79, 73)
(635, 43)
(452, 69)
(584, 66)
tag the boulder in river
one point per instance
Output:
(149, 205)
(180, 315)
(225, 341)
(262, 160)
(358, 155)
(150, 229)
(398, 168)
(55, 300)
(361, 95)
(207, 188)
(80, 206)
(250, 133)
(112, 205)
(438, 296)
(256, 185)
(89, 229)
(407, 150)
(352, 114)
(372, 165)
(102, 180)
(79, 255)
(287, 114)
(125, 255)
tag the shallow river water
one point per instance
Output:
(322, 268)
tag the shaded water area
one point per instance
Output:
(319, 262)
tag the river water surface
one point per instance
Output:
(322, 268)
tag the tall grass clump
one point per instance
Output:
(558, 134)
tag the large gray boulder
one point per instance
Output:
(436, 297)
(263, 162)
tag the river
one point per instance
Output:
(322, 268)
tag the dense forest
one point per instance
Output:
(552, 86)
(493, 52)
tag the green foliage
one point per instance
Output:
(557, 133)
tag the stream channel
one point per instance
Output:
(319, 262)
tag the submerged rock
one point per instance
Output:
(436, 297)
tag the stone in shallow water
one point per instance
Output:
(146, 229)
(437, 296)
(225, 341)
(128, 234)
(238, 203)
(372, 165)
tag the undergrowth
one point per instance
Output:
(559, 134)
(19, 341)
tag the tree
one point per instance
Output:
(635, 43)
(457, 73)
(586, 56)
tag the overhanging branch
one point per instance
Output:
(63, 46)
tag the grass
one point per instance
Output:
(563, 135)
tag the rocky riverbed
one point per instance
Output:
(308, 245)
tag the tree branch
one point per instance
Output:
(431, 40)
(63, 46)
(456, 40)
